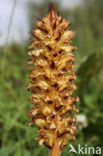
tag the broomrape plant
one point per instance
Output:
(52, 83)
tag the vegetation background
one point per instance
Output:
(16, 137)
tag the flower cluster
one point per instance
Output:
(52, 79)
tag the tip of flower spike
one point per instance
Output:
(52, 13)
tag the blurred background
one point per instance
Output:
(17, 18)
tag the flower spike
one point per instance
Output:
(52, 81)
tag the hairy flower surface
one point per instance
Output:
(52, 79)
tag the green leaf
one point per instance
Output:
(8, 150)
(89, 68)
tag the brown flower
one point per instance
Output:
(52, 83)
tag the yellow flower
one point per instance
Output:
(52, 81)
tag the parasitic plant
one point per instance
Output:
(52, 83)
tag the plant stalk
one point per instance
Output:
(55, 151)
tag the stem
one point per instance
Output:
(10, 21)
(7, 37)
(55, 151)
